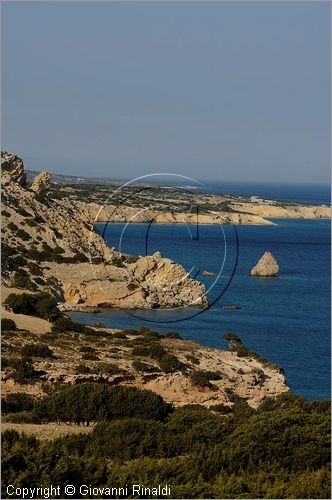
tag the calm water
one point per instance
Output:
(303, 193)
(286, 319)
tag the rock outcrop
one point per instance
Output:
(267, 266)
(285, 211)
(114, 213)
(41, 183)
(247, 377)
(12, 169)
(73, 262)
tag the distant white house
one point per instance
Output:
(269, 202)
(257, 199)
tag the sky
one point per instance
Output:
(214, 90)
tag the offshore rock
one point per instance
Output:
(267, 266)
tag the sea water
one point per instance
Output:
(286, 319)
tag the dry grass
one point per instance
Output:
(45, 431)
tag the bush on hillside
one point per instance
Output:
(8, 324)
(16, 402)
(90, 402)
(37, 350)
(62, 325)
(41, 304)
(23, 371)
(202, 378)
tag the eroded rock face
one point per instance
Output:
(41, 182)
(77, 267)
(159, 283)
(267, 266)
(12, 169)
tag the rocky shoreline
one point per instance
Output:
(51, 245)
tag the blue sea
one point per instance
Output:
(316, 194)
(286, 319)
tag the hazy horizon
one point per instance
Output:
(217, 91)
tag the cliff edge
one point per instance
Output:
(51, 245)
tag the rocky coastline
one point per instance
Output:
(51, 245)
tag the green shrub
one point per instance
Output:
(152, 335)
(23, 212)
(23, 280)
(8, 324)
(132, 286)
(118, 335)
(31, 222)
(117, 261)
(232, 396)
(12, 226)
(192, 359)
(82, 369)
(169, 363)
(5, 363)
(144, 329)
(131, 331)
(90, 356)
(156, 351)
(62, 325)
(35, 269)
(90, 402)
(139, 366)
(232, 338)
(131, 259)
(90, 332)
(110, 369)
(221, 408)
(39, 281)
(87, 348)
(173, 335)
(18, 261)
(23, 370)
(202, 378)
(39, 304)
(23, 235)
(17, 402)
(140, 351)
(22, 417)
(37, 350)
(133, 438)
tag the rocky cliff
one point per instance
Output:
(122, 213)
(284, 212)
(51, 245)
(245, 376)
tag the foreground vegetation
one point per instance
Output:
(280, 450)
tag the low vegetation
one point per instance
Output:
(42, 305)
(280, 450)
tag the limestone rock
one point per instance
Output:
(41, 182)
(78, 267)
(267, 266)
(12, 169)
(208, 273)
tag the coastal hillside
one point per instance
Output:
(121, 406)
(143, 203)
(181, 371)
(51, 245)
